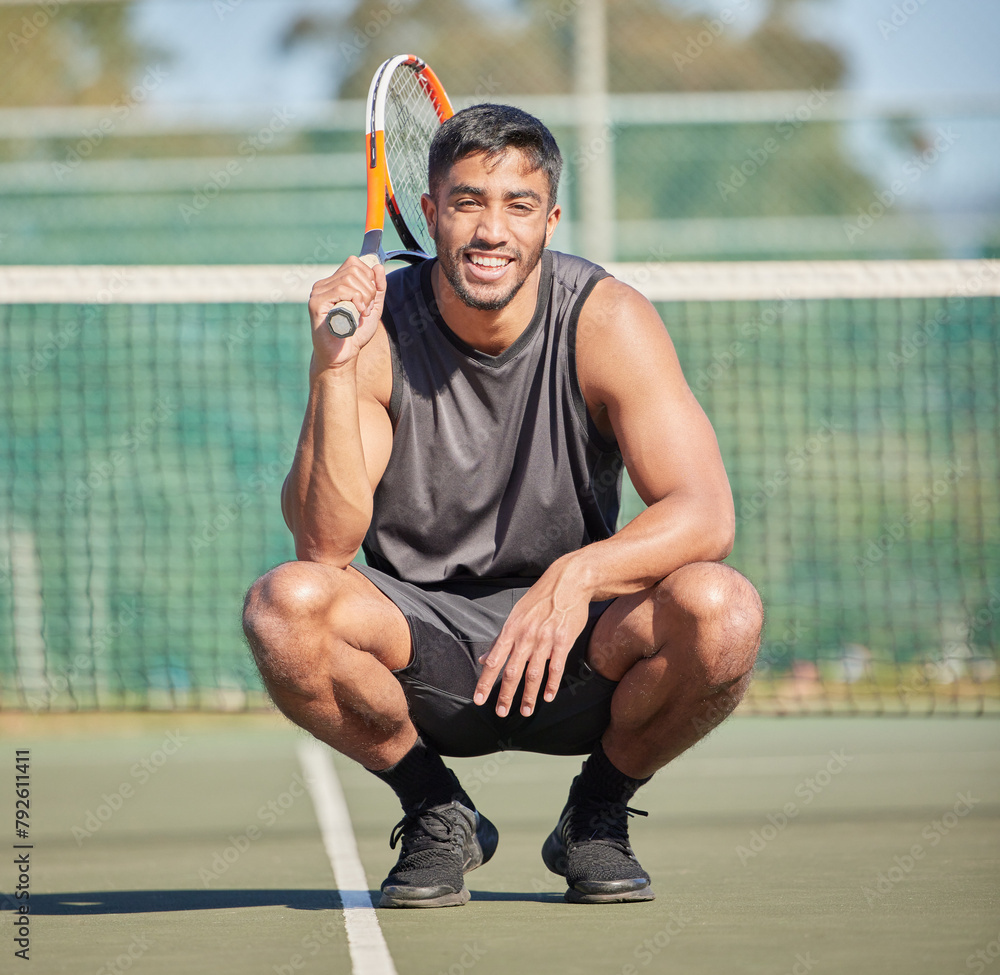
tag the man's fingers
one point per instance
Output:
(492, 662)
(359, 288)
(533, 675)
(354, 281)
(556, 668)
(511, 679)
(556, 659)
(531, 666)
(506, 657)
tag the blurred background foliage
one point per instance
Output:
(731, 130)
(651, 47)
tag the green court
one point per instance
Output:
(191, 843)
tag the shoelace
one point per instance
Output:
(607, 822)
(420, 818)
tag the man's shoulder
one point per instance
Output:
(618, 331)
(607, 299)
(610, 302)
(574, 272)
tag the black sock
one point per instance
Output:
(421, 777)
(601, 780)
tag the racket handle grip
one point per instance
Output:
(342, 318)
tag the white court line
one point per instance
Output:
(369, 952)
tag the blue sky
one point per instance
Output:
(228, 47)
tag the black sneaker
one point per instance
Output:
(590, 848)
(439, 845)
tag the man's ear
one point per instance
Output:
(551, 222)
(429, 207)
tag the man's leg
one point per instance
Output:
(682, 654)
(326, 641)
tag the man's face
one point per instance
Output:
(490, 222)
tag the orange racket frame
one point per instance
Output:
(343, 317)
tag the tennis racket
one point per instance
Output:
(406, 104)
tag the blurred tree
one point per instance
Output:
(525, 47)
(69, 54)
(479, 51)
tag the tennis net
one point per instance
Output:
(148, 416)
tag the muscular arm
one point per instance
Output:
(346, 434)
(637, 394)
(633, 382)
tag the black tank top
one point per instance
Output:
(496, 467)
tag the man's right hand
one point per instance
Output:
(352, 281)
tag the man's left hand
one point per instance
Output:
(542, 628)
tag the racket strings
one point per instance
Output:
(411, 119)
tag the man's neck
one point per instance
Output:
(490, 332)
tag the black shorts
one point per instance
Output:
(451, 627)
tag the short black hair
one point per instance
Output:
(492, 130)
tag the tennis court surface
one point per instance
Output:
(148, 416)
(194, 843)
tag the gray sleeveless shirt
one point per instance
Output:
(496, 467)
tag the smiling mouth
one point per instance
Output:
(489, 260)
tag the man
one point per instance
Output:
(471, 436)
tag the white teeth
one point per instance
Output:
(489, 261)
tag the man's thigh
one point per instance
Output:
(375, 622)
(295, 607)
(652, 620)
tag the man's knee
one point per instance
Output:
(714, 593)
(280, 604)
(293, 588)
(290, 591)
(726, 605)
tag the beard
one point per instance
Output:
(451, 264)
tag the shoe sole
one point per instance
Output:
(574, 896)
(410, 897)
